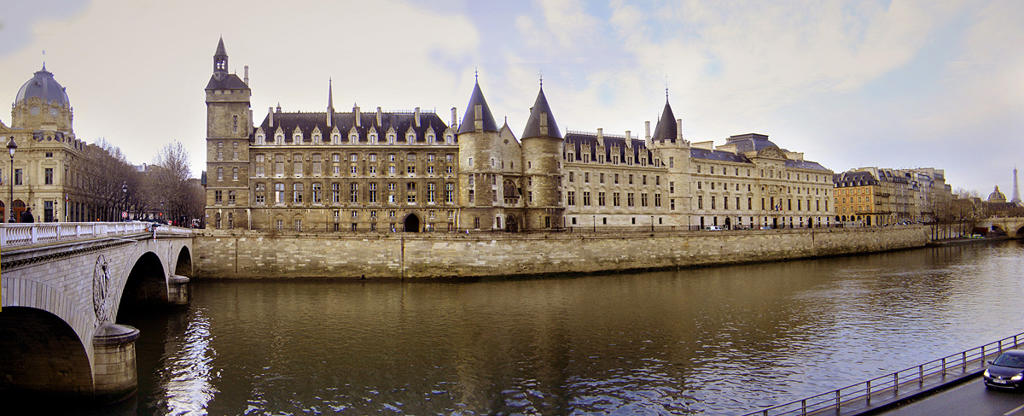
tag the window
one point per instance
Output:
(616, 201)
(431, 193)
(298, 225)
(335, 193)
(657, 200)
(317, 193)
(231, 198)
(279, 165)
(469, 162)
(234, 148)
(571, 176)
(218, 196)
(48, 176)
(586, 198)
(279, 193)
(261, 193)
(234, 123)
(297, 165)
(630, 199)
(449, 193)
(220, 174)
(220, 151)
(353, 192)
(234, 174)
(700, 202)
(316, 165)
(600, 199)
(471, 195)
(410, 192)
(297, 193)
(570, 198)
(586, 177)
(373, 192)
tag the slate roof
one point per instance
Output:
(854, 178)
(576, 140)
(698, 153)
(307, 122)
(804, 164)
(667, 129)
(750, 142)
(43, 85)
(477, 98)
(541, 110)
(220, 48)
(227, 82)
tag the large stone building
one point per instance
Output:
(880, 196)
(50, 175)
(410, 171)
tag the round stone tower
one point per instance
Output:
(479, 172)
(542, 156)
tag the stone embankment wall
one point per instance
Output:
(240, 254)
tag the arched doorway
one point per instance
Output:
(16, 209)
(775, 223)
(810, 223)
(511, 224)
(412, 224)
(728, 223)
(869, 220)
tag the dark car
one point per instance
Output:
(1007, 371)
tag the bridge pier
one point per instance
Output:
(114, 371)
(177, 290)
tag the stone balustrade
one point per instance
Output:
(15, 235)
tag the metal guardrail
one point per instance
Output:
(889, 384)
(14, 235)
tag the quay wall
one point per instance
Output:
(246, 254)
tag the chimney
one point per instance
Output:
(647, 130)
(454, 120)
(600, 134)
(246, 79)
(679, 130)
(358, 116)
(416, 116)
(628, 136)
(379, 117)
(271, 111)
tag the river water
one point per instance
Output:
(719, 340)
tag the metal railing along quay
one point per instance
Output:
(895, 386)
(15, 235)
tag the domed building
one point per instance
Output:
(996, 196)
(48, 158)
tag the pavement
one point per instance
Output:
(967, 398)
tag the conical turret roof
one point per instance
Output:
(468, 119)
(666, 128)
(541, 122)
(220, 48)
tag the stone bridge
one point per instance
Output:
(1012, 226)
(64, 287)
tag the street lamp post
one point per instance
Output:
(11, 147)
(124, 191)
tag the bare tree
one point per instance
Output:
(170, 185)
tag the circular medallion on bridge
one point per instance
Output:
(101, 289)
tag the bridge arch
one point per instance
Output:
(42, 355)
(183, 263)
(145, 284)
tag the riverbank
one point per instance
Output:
(246, 254)
(961, 241)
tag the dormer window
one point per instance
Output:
(316, 138)
(279, 137)
(354, 137)
(448, 138)
(297, 137)
(373, 138)
(411, 137)
(430, 138)
(391, 138)
(260, 138)
(336, 138)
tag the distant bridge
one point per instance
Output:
(1012, 226)
(64, 285)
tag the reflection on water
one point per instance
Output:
(712, 340)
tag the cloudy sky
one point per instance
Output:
(858, 83)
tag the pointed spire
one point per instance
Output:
(478, 115)
(330, 95)
(541, 122)
(667, 127)
(220, 60)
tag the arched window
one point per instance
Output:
(430, 138)
(448, 138)
(373, 138)
(260, 138)
(391, 138)
(279, 137)
(336, 138)
(411, 137)
(353, 138)
(297, 137)
(316, 137)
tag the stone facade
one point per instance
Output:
(241, 254)
(50, 174)
(409, 171)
